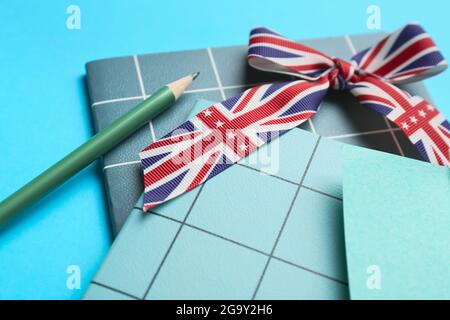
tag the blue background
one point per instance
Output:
(44, 109)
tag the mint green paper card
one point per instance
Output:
(397, 226)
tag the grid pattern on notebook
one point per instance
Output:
(253, 232)
(117, 84)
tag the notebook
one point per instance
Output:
(260, 230)
(397, 226)
(116, 85)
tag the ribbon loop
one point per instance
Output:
(406, 55)
(269, 51)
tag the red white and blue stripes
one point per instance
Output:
(229, 130)
(223, 134)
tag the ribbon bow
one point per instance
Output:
(229, 130)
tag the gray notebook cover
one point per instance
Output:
(116, 85)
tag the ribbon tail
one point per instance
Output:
(216, 138)
(421, 122)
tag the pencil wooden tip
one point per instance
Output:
(179, 86)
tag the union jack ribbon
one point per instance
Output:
(227, 131)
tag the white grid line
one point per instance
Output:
(144, 95)
(121, 164)
(216, 73)
(98, 103)
(350, 44)
(238, 86)
(349, 135)
(139, 75)
(202, 90)
(311, 125)
(394, 137)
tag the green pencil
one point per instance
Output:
(98, 145)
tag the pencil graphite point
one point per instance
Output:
(195, 75)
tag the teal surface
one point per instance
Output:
(143, 258)
(225, 270)
(324, 174)
(250, 212)
(397, 223)
(314, 236)
(45, 114)
(289, 282)
(277, 159)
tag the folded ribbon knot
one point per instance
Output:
(341, 74)
(229, 130)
